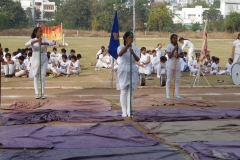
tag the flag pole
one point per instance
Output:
(40, 68)
(131, 85)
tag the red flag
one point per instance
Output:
(205, 44)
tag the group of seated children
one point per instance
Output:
(19, 64)
(210, 65)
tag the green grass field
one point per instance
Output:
(88, 47)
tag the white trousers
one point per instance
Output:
(170, 74)
(221, 72)
(236, 58)
(125, 101)
(101, 65)
(194, 71)
(70, 71)
(36, 79)
(53, 69)
(20, 73)
(60, 70)
(8, 69)
(190, 54)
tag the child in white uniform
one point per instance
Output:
(215, 67)
(63, 65)
(228, 66)
(196, 66)
(173, 51)
(8, 66)
(162, 66)
(155, 62)
(144, 63)
(207, 64)
(55, 56)
(28, 63)
(187, 43)
(123, 74)
(74, 67)
(20, 68)
(103, 61)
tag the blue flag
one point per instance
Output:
(114, 38)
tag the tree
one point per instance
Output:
(48, 15)
(232, 22)
(195, 26)
(197, 3)
(3, 21)
(216, 4)
(159, 16)
(212, 14)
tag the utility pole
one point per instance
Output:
(134, 23)
(33, 12)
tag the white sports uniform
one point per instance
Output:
(123, 78)
(9, 69)
(63, 66)
(102, 61)
(21, 68)
(74, 65)
(35, 64)
(190, 46)
(236, 58)
(170, 69)
(228, 68)
(147, 67)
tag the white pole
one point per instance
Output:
(134, 25)
(33, 12)
(112, 72)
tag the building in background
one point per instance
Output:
(227, 6)
(42, 5)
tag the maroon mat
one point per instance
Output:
(65, 136)
(88, 105)
(48, 115)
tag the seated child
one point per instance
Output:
(144, 63)
(8, 66)
(162, 66)
(74, 67)
(228, 67)
(14, 57)
(55, 56)
(154, 61)
(207, 64)
(103, 61)
(195, 65)
(216, 68)
(27, 62)
(63, 65)
(51, 68)
(20, 68)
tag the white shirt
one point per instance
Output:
(215, 66)
(195, 63)
(159, 52)
(98, 53)
(188, 44)
(104, 58)
(64, 65)
(19, 54)
(162, 65)
(26, 61)
(14, 59)
(75, 64)
(154, 60)
(236, 44)
(57, 55)
(171, 61)
(228, 67)
(20, 66)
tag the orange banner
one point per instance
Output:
(52, 33)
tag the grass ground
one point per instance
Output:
(91, 78)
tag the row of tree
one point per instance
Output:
(98, 15)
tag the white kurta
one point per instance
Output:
(147, 67)
(35, 63)
(171, 61)
(123, 74)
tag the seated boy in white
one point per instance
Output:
(20, 68)
(207, 64)
(27, 62)
(74, 67)
(55, 56)
(215, 67)
(228, 66)
(8, 66)
(52, 67)
(63, 65)
(162, 70)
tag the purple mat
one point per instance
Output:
(213, 150)
(65, 136)
(124, 153)
(185, 114)
(48, 115)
